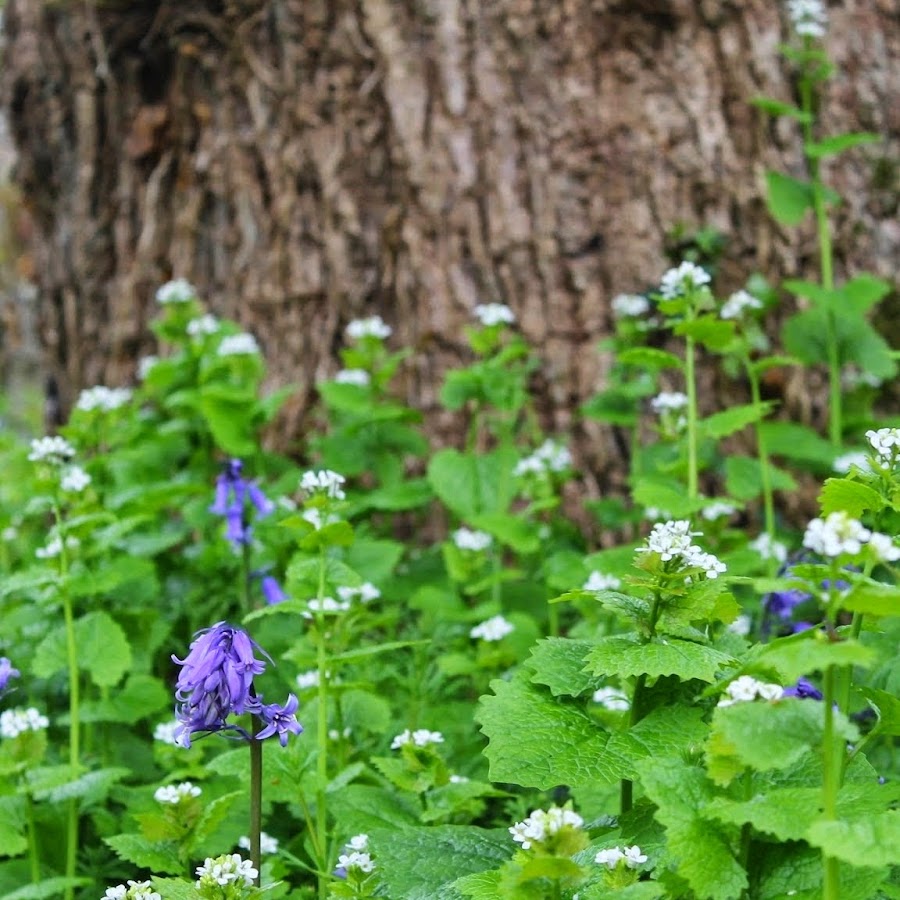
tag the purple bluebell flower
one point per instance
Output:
(216, 680)
(272, 590)
(803, 689)
(280, 720)
(6, 672)
(232, 493)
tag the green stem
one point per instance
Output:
(255, 797)
(746, 830)
(34, 857)
(831, 769)
(322, 734)
(246, 597)
(690, 380)
(765, 473)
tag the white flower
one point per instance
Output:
(165, 732)
(885, 442)
(103, 398)
(226, 869)
(178, 291)
(323, 481)
(808, 17)
(356, 860)
(493, 629)
(686, 277)
(741, 625)
(359, 842)
(634, 857)
(466, 539)
(308, 679)
(136, 890)
(669, 401)
(54, 547)
(74, 480)
(204, 325)
(115, 893)
(630, 305)
(717, 510)
(654, 514)
(669, 539)
(238, 345)
(316, 519)
(267, 844)
(54, 450)
(745, 689)
(327, 606)
(421, 737)
(609, 857)
(145, 364)
(366, 592)
(598, 581)
(458, 779)
(883, 547)
(335, 735)
(737, 304)
(549, 457)
(175, 793)
(371, 327)
(852, 378)
(542, 824)
(847, 461)
(695, 557)
(768, 548)
(10, 533)
(836, 534)
(359, 377)
(612, 699)
(14, 722)
(494, 314)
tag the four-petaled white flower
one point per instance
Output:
(476, 541)
(165, 732)
(809, 17)
(365, 593)
(683, 279)
(836, 534)
(54, 450)
(175, 793)
(549, 457)
(14, 722)
(323, 481)
(359, 377)
(598, 581)
(717, 510)
(768, 548)
(421, 737)
(136, 890)
(490, 314)
(669, 401)
(373, 326)
(885, 442)
(177, 291)
(612, 699)
(356, 860)
(738, 303)
(493, 629)
(226, 869)
(267, 844)
(204, 325)
(102, 398)
(243, 344)
(746, 689)
(854, 459)
(630, 306)
(145, 364)
(542, 824)
(74, 480)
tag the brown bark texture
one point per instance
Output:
(307, 162)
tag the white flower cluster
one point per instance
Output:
(145, 364)
(745, 689)
(741, 625)
(885, 442)
(175, 793)
(359, 377)
(323, 481)
(717, 510)
(335, 735)
(308, 679)
(267, 844)
(14, 722)
(458, 779)
(549, 457)
(612, 699)
(768, 548)
(226, 869)
(673, 539)
(847, 461)
(686, 277)
(165, 733)
(242, 344)
(838, 533)
(204, 325)
(373, 326)
(103, 398)
(421, 737)
(494, 314)
(738, 303)
(598, 581)
(669, 401)
(365, 593)
(74, 480)
(611, 857)
(178, 291)
(466, 539)
(327, 606)
(54, 547)
(493, 629)
(136, 890)
(54, 450)
(541, 824)
(853, 378)
(356, 855)
(809, 17)
(630, 306)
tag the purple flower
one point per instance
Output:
(272, 590)
(216, 680)
(803, 689)
(6, 672)
(280, 720)
(232, 493)
(781, 604)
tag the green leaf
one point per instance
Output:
(228, 420)
(805, 336)
(803, 654)
(779, 108)
(48, 887)
(649, 358)
(664, 493)
(136, 849)
(626, 657)
(839, 143)
(797, 442)
(442, 854)
(480, 886)
(12, 841)
(559, 663)
(213, 815)
(785, 813)
(874, 599)
(175, 888)
(873, 841)
(787, 198)
(864, 291)
(56, 784)
(734, 419)
(363, 808)
(743, 477)
(711, 331)
(887, 706)
(472, 485)
(141, 696)
(516, 533)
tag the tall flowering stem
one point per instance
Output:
(322, 732)
(691, 385)
(762, 453)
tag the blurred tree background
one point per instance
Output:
(307, 162)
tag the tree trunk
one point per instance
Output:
(306, 162)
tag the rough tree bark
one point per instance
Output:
(305, 162)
